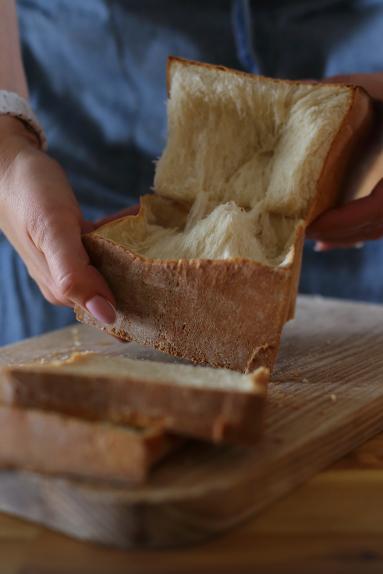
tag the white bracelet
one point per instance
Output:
(11, 104)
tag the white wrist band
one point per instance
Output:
(11, 104)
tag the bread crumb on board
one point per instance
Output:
(76, 337)
(333, 398)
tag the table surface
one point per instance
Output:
(334, 523)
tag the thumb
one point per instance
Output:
(73, 279)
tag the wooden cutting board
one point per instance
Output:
(325, 399)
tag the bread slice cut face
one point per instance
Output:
(212, 404)
(249, 162)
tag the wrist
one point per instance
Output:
(11, 104)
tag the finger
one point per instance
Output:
(133, 210)
(38, 269)
(42, 278)
(370, 82)
(367, 233)
(36, 265)
(321, 246)
(353, 219)
(48, 295)
(73, 278)
(370, 233)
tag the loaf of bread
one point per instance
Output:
(208, 269)
(218, 405)
(55, 444)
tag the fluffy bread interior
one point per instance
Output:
(240, 168)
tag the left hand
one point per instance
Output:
(361, 219)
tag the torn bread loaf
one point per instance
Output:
(218, 405)
(208, 269)
(55, 444)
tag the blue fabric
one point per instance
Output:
(96, 71)
(242, 27)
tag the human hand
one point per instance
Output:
(41, 218)
(350, 224)
(359, 220)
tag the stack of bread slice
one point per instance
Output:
(110, 417)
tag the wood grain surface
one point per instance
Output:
(326, 399)
(332, 524)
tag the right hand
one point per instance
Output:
(42, 219)
(361, 219)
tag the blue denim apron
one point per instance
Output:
(96, 71)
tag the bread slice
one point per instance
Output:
(196, 401)
(55, 444)
(208, 269)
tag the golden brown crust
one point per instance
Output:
(224, 313)
(349, 140)
(55, 444)
(195, 309)
(175, 59)
(121, 399)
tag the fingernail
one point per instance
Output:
(101, 309)
(319, 246)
